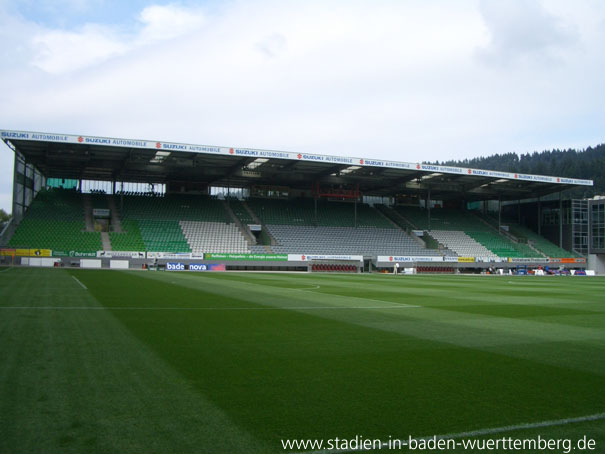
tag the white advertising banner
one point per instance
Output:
(90, 263)
(308, 257)
(41, 261)
(123, 254)
(408, 259)
(492, 259)
(118, 264)
(174, 255)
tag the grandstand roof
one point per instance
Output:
(152, 161)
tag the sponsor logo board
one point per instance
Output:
(174, 255)
(121, 254)
(175, 266)
(308, 257)
(75, 254)
(198, 267)
(33, 252)
(248, 257)
(408, 259)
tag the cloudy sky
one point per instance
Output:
(401, 80)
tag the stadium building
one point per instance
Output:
(108, 202)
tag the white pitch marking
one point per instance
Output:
(78, 281)
(487, 431)
(7, 269)
(203, 308)
(305, 289)
(310, 289)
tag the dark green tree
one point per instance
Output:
(588, 164)
(4, 216)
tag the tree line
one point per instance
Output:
(586, 164)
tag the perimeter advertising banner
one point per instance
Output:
(527, 260)
(180, 266)
(307, 257)
(198, 267)
(175, 266)
(73, 254)
(567, 260)
(174, 255)
(409, 259)
(33, 252)
(121, 254)
(247, 257)
(207, 267)
(491, 259)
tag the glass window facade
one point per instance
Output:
(597, 225)
(579, 231)
(27, 182)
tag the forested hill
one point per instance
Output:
(587, 164)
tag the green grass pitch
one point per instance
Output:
(142, 362)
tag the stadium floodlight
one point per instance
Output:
(159, 157)
(431, 175)
(350, 169)
(256, 163)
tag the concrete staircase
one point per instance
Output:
(243, 230)
(105, 241)
(509, 235)
(115, 216)
(385, 216)
(88, 221)
(259, 222)
(400, 220)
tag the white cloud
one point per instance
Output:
(63, 51)
(58, 51)
(524, 30)
(273, 45)
(167, 22)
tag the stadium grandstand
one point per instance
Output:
(97, 199)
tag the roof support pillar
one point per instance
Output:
(560, 219)
(315, 195)
(428, 206)
(539, 216)
(17, 214)
(499, 214)
(23, 207)
(589, 203)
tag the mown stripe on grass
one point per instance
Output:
(79, 381)
(176, 308)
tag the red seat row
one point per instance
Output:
(334, 268)
(434, 269)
